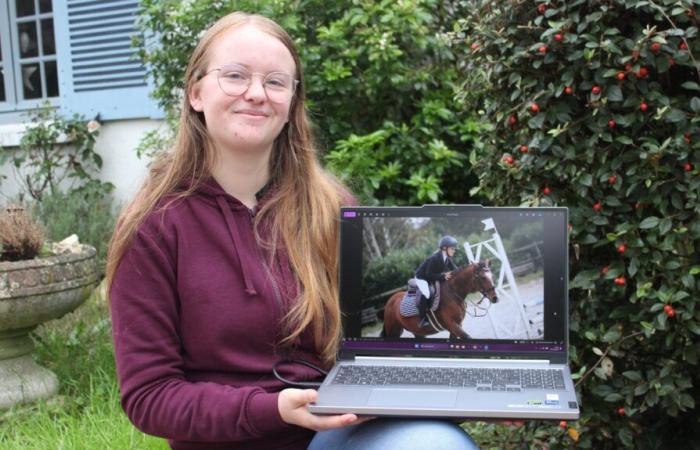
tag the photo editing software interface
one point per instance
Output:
(506, 292)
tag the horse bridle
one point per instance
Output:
(480, 287)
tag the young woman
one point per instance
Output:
(226, 263)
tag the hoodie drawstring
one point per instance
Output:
(235, 237)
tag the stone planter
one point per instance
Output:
(32, 292)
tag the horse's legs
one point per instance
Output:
(457, 331)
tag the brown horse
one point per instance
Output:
(475, 277)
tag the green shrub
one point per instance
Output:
(596, 107)
(55, 150)
(380, 82)
(86, 211)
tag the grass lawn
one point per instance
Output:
(86, 413)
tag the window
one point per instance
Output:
(76, 54)
(28, 68)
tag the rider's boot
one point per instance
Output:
(422, 311)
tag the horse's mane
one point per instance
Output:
(461, 269)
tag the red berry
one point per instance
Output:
(622, 248)
(670, 312)
(534, 108)
(690, 13)
(667, 308)
(643, 106)
(542, 49)
(541, 8)
(611, 123)
(558, 37)
(562, 424)
(605, 269)
(621, 76)
(635, 53)
(595, 89)
(568, 90)
(686, 138)
(687, 167)
(621, 411)
(628, 67)
(523, 148)
(508, 160)
(683, 46)
(512, 120)
(655, 47)
(637, 205)
(620, 281)
(671, 62)
(643, 72)
(546, 190)
(597, 206)
(475, 46)
(612, 179)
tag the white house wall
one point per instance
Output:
(116, 144)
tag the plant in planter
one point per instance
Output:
(36, 285)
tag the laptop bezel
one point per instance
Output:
(554, 358)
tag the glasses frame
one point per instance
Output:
(262, 76)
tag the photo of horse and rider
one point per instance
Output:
(454, 278)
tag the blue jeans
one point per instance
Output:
(395, 434)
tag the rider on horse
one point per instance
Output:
(437, 267)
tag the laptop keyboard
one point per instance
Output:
(483, 379)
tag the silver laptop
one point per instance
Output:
(494, 340)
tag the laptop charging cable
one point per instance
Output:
(298, 384)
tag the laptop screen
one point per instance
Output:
(500, 276)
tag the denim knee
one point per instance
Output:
(390, 434)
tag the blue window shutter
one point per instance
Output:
(99, 72)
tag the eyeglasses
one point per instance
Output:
(234, 80)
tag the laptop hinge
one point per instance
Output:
(449, 360)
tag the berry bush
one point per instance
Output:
(595, 105)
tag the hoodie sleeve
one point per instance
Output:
(155, 394)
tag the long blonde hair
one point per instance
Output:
(302, 212)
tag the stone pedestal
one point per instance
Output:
(33, 292)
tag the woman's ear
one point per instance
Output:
(195, 98)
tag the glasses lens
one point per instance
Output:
(235, 80)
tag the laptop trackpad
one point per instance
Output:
(424, 398)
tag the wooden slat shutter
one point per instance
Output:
(98, 68)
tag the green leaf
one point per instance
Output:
(633, 375)
(691, 85)
(693, 326)
(614, 397)
(615, 93)
(665, 226)
(649, 222)
(695, 104)
(675, 115)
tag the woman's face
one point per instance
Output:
(249, 121)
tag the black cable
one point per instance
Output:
(299, 384)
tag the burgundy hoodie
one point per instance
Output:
(196, 312)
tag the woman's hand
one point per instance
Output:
(292, 407)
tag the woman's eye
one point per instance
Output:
(276, 82)
(235, 75)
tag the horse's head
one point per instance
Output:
(483, 279)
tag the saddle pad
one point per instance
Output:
(408, 306)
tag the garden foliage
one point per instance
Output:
(596, 106)
(380, 83)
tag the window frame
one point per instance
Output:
(11, 63)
